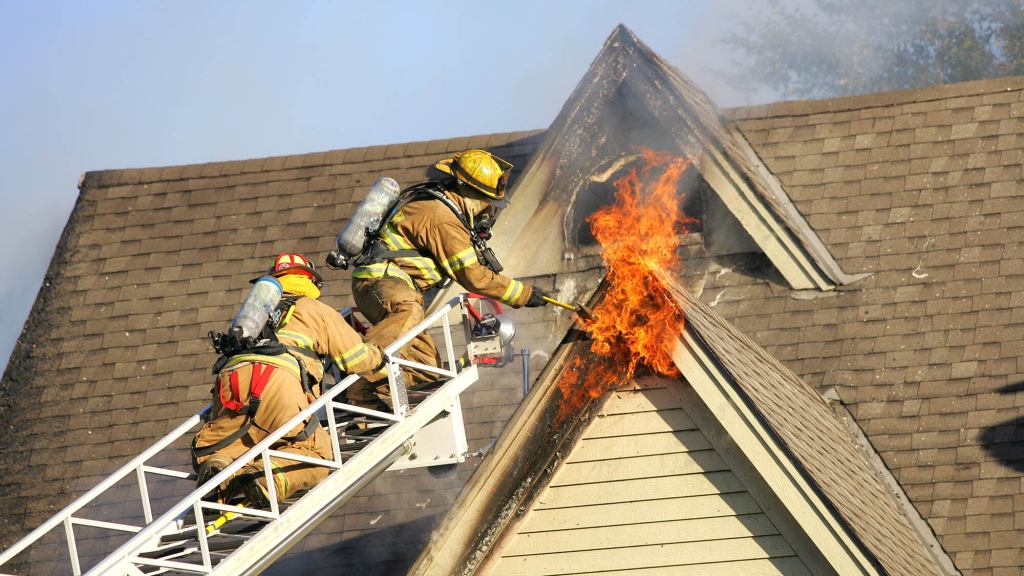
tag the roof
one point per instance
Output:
(813, 436)
(919, 188)
(114, 354)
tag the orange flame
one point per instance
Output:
(635, 323)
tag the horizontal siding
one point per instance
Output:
(780, 566)
(642, 492)
(701, 529)
(639, 512)
(631, 401)
(605, 426)
(593, 450)
(676, 486)
(639, 467)
(636, 557)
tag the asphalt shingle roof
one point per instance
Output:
(115, 353)
(922, 188)
(814, 437)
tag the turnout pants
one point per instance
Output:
(282, 398)
(393, 308)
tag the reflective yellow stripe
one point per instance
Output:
(513, 292)
(426, 266)
(460, 260)
(301, 340)
(278, 473)
(383, 270)
(428, 269)
(287, 317)
(352, 356)
(283, 361)
(393, 239)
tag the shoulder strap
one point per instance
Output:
(432, 190)
(486, 255)
(283, 311)
(375, 250)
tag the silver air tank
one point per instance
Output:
(365, 221)
(258, 306)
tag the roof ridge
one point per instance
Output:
(153, 174)
(875, 99)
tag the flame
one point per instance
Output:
(636, 323)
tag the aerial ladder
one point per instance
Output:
(200, 536)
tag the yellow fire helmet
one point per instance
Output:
(480, 170)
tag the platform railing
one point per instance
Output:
(148, 535)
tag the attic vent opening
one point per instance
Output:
(600, 192)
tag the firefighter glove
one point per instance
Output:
(537, 298)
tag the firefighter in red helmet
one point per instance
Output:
(259, 388)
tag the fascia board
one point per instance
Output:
(770, 235)
(780, 473)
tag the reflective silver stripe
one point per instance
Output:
(393, 239)
(301, 340)
(461, 260)
(383, 270)
(352, 356)
(513, 292)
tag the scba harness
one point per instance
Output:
(376, 251)
(232, 344)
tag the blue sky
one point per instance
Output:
(96, 85)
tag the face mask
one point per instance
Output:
(483, 223)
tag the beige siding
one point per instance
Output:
(644, 493)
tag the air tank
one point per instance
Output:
(258, 307)
(368, 216)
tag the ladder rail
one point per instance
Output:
(154, 529)
(67, 513)
(326, 497)
(194, 499)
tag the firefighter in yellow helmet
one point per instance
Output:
(262, 384)
(436, 234)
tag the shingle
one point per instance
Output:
(119, 331)
(874, 209)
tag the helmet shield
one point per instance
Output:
(479, 170)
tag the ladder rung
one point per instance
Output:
(365, 411)
(240, 510)
(168, 551)
(299, 458)
(364, 423)
(107, 525)
(181, 535)
(240, 529)
(169, 472)
(181, 566)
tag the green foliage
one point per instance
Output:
(822, 48)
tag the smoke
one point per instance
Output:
(824, 48)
